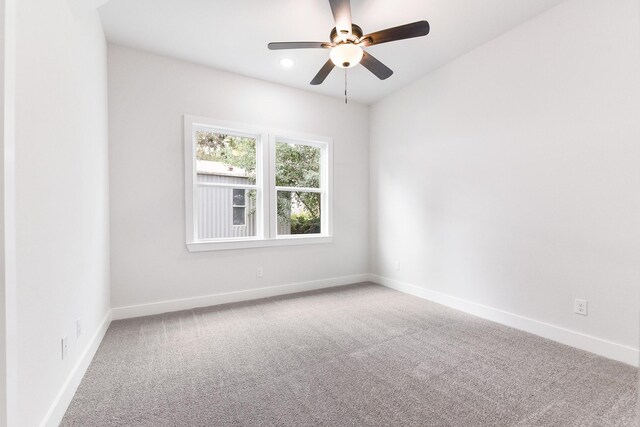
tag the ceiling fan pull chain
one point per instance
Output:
(345, 86)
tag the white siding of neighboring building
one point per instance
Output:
(215, 209)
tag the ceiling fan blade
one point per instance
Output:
(407, 31)
(341, 10)
(298, 45)
(380, 70)
(323, 73)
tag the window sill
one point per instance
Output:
(223, 245)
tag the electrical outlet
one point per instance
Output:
(78, 328)
(580, 306)
(396, 265)
(64, 347)
(259, 272)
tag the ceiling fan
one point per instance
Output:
(347, 43)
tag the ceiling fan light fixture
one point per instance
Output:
(346, 55)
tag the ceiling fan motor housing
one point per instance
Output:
(356, 35)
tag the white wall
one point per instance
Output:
(3, 323)
(61, 194)
(510, 176)
(8, 353)
(148, 95)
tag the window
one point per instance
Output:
(251, 187)
(239, 207)
(226, 166)
(298, 188)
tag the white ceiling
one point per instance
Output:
(232, 35)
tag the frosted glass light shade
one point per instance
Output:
(346, 55)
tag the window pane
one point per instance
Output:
(238, 197)
(225, 158)
(217, 218)
(298, 213)
(238, 216)
(297, 165)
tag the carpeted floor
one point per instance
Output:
(360, 355)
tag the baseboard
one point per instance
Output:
(64, 397)
(230, 297)
(565, 336)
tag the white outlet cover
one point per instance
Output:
(580, 306)
(78, 328)
(259, 272)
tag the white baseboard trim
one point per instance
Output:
(230, 297)
(68, 390)
(565, 336)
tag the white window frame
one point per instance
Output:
(266, 207)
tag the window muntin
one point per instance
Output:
(286, 181)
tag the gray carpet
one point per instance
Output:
(359, 355)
